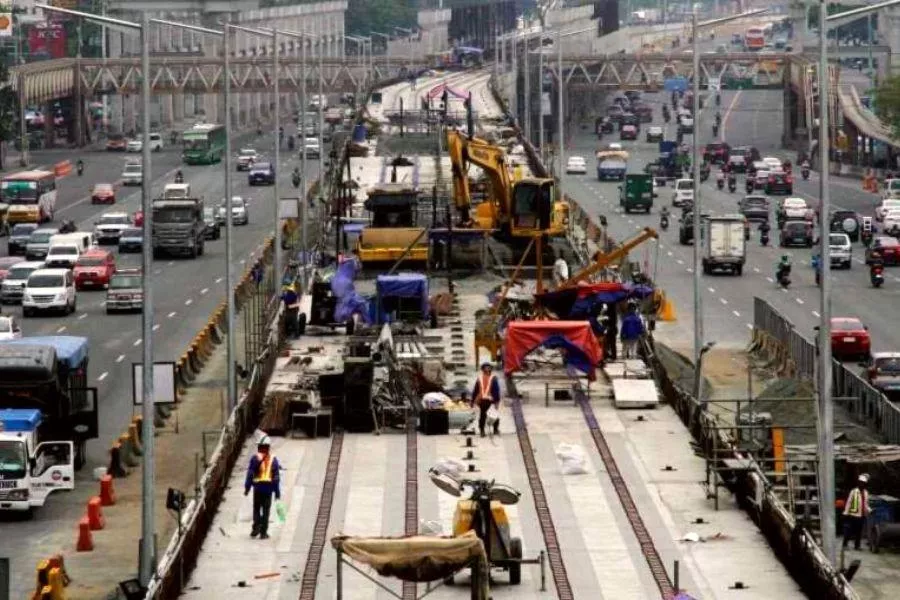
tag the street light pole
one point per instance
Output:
(231, 342)
(561, 165)
(695, 158)
(527, 123)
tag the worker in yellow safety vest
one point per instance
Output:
(856, 511)
(263, 477)
(486, 395)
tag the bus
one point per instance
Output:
(203, 144)
(31, 196)
(754, 39)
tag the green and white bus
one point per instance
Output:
(203, 144)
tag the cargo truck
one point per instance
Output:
(636, 193)
(178, 223)
(724, 245)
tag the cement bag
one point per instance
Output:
(245, 510)
(571, 459)
(493, 415)
(450, 466)
(435, 400)
(432, 528)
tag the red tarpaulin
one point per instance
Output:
(438, 90)
(574, 338)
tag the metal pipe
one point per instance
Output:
(321, 124)
(561, 166)
(278, 136)
(148, 472)
(695, 158)
(229, 225)
(541, 100)
(826, 409)
(527, 93)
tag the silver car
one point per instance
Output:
(240, 215)
(841, 250)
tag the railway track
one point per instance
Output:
(308, 583)
(542, 507)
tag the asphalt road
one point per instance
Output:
(185, 293)
(750, 118)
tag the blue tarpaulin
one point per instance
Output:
(676, 84)
(354, 227)
(359, 133)
(402, 285)
(349, 301)
(71, 350)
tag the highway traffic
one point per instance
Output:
(747, 120)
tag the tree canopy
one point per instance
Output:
(887, 103)
(365, 16)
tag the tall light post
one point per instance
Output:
(826, 409)
(695, 160)
(409, 38)
(387, 55)
(277, 131)
(148, 528)
(562, 82)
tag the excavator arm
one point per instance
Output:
(602, 260)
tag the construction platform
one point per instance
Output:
(599, 552)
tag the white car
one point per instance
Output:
(885, 206)
(137, 144)
(9, 329)
(239, 213)
(133, 174)
(576, 164)
(13, 285)
(613, 146)
(891, 189)
(774, 164)
(684, 192)
(655, 134)
(246, 158)
(794, 208)
(686, 124)
(49, 289)
(840, 249)
(110, 226)
(311, 147)
(316, 102)
(891, 219)
(62, 255)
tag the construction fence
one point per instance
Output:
(795, 356)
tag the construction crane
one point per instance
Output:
(517, 209)
(603, 259)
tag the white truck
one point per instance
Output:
(724, 244)
(30, 467)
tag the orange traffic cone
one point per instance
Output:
(666, 311)
(85, 539)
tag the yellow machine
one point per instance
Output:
(518, 209)
(602, 260)
(392, 234)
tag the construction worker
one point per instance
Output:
(486, 394)
(560, 269)
(291, 310)
(856, 511)
(632, 330)
(263, 477)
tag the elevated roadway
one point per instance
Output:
(185, 293)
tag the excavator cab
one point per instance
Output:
(534, 209)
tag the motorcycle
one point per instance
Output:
(79, 166)
(749, 185)
(804, 172)
(876, 275)
(720, 183)
(764, 238)
(664, 222)
(291, 143)
(732, 184)
(783, 276)
(179, 178)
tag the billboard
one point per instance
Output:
(47, 40)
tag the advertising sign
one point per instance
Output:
(47, 40)
(6, 24)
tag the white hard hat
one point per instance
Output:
(864, 478)
(264, 440)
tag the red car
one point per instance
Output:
(628, 132)
(138, 218)
(850, 338)
(103, 193)
(94, 268)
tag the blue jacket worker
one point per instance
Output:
(263, 477)
(291, 310)
(632, 330)
(486, 393)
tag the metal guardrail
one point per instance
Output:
(866, 404)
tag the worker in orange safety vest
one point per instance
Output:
(856, 511)
(263, 476)
(486, 394)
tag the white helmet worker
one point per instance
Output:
(864, 478)
(264, 440)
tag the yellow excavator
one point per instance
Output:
(519, 209)
(601, 259)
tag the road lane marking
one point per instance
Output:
(669, 253)
(816, 314)
(755, 270)
(102, 376)
(120, 358)
(204, 290)
(679, 261)
(137, 342)
(770, 280)
(155, 327)
(219, 280)
(690, 270)
(188, 302)
(749, 326)
(728, 114)
(157, 271)
(723, 300)
(711, 290)
(61, 329)
(82, 316)
(736, 313)
(799, 300)
(170, 263)
(171, 314)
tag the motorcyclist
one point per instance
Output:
(783, 267)
(664, 218)
(295, 177)
(720, 179)
(749, 184)
(79, 166)
(764, 233)
(718, 118)
(715, 129)
(876, 267)
(179, 176)
(816, 263)
(718, 99)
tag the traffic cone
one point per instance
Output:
(107, 494)
(85, 539)
(667, 311)
(94, 514)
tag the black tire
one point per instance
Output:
(27, 313)
(200, 249)
(301, 323)
(739, 270)
(515, 568)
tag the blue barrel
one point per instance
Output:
(359, 133)
(883, 509)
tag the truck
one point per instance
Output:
(178, 223)
(724, 244)
(636, 193)
(47, 415)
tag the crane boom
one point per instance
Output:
(601, 259)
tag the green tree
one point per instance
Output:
(365, 16)
(8, 109)
(887, 103)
